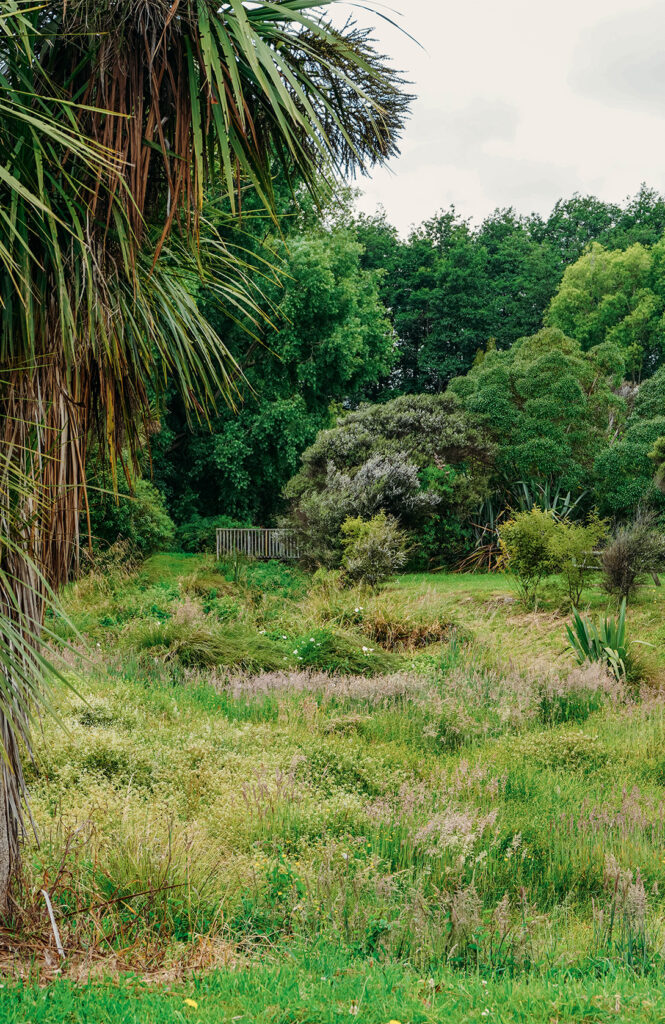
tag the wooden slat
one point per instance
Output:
(257, 543)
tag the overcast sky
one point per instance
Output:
(521, 102)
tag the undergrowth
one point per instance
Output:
(278, 766)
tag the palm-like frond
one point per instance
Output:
(198, 88)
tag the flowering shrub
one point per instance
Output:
(417, 458)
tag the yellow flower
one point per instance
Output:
(394, 1022)
(193, 1003)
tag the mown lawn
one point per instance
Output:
(290, 802)
(330, 989)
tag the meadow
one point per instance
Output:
(261, 796)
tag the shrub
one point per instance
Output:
(381, 458)
(605, 642)
(139, 518)
(199, 534)
(573, 547)
(537, 544)
(382, 483)
(636, 550)
(374, 549)
(526, 544)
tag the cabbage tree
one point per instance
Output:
(115, 117)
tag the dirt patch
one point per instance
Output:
(29, 958)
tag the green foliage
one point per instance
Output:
(649, 402)
(605, 642)
(200, 644)
(330, 340)
(337, 652)
(373, 549)
(527, 546)
(545, 380)
(574, 548)
(443, 538)
(384, 989)
(471, 809)
(636, 550)
(657, 457)
(452, 288)
(198, 534)
(537, 544)
(548, 496)
(613, 297)
(139, 517)
(372, 462)
(624, 474)
(275, 577)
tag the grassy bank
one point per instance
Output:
(255, 769)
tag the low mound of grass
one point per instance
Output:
(197, 645)
(342, 652)
(205, 643)
(398, 632)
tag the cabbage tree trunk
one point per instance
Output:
(7, 842)
(42, 453)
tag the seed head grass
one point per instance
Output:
(296, 781)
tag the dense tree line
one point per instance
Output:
(358, 314)
(451, 288)
(326, 342)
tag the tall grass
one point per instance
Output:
(460, 809)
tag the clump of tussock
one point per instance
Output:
(205, 582)
(197, 644)
(402, 633)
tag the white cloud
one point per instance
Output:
(621, 61)
(520, 103)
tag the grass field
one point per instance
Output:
(285, 801)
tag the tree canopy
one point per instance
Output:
(329, 338)
(616, 296)
(547, 404)
(451, 287)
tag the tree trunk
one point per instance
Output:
(42, 453)
(6, 857)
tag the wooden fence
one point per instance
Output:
(256, 543)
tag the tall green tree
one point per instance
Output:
(450, 287)
(612, 295)
(549, 407)
(328, 340)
